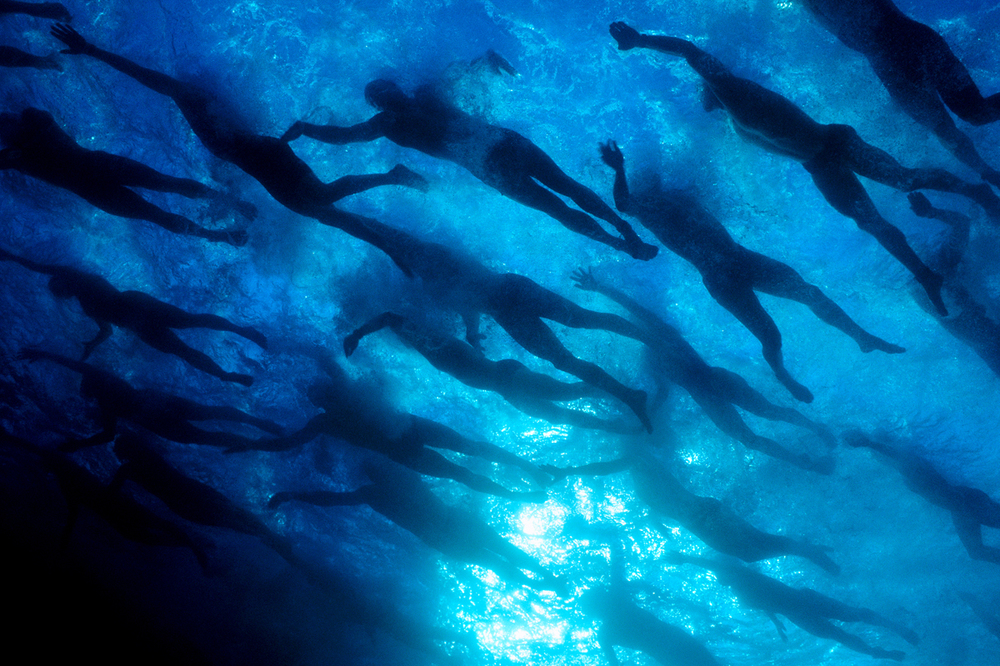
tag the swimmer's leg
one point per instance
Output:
(130, 173)
(739, 299)
(166, 341)
(348, 185)
(778, 279)
(841, 188)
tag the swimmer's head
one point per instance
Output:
(384, 95)
(60, 286)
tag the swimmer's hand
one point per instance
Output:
(626, 36)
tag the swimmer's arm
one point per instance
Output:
(49, 10)
(585, 280)
(103, 334)
(367, 131)
(611, 155)
(28, 263)
(373, 325)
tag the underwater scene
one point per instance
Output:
(501, 332)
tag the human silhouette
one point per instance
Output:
(805, 608)
(731, 272)
(716, 390)
(147, 317)
(917, 68)
(82, 488)
(14, 57)
(35, 145)
(400, 495)
(625, 624)
(516, 303)
(168, 416)
(368, 422)
(269, 160)
(968, 321)
(706, 517)
(971, 509)
(832, 154)
(501, 158)
(531, 392)
(190, 499)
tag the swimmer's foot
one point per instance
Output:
(991, 176)
(872, 343)
(254, 336)
(920, 205)
(245, 380)
(246, 209)
(237, 237)
(798, 391)
(639, 250)
(932, 285)
(637, 403)
(409, 178)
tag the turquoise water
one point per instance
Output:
(305, 286)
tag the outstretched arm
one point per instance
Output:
(611, 154)
(49, 10)
(585, 280)
(367, 131)
(369, 327)
(152, 79)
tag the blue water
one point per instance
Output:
(305, 286)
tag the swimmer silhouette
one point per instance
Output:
(168, 416)
(731, 272)
(189, 499)
(132, 520)
(832, 154)
(625, 624)
(805, 608)
(147, 317)
(269, 160)
(501, 158)
(531, 392)
(706, 517)
(971, 509)
(367, 422)
(917, 68)
(716, 390)
(35, 145)
(516, 303)
(970, 323)
(400, 495)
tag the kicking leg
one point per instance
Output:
(166, 341)
(348, 185)
(841, 188)
(538, 339)
(737, 296)
(778, 279)
(129, 173)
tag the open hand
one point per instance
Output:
(70, 38)
(611, 154)
(585, 279)
(626, 36)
